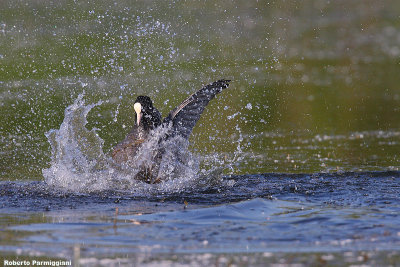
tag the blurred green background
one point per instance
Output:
(315, 84)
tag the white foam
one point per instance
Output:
(80, 165)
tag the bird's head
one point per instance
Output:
(146, 115)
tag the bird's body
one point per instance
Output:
(146, 121)
(179, 121)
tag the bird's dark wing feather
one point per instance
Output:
(185, 116)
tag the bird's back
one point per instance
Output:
(125, 151)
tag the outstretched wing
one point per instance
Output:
(185, 116)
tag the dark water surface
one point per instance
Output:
(306, 139)
(347, 218)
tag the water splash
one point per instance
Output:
(80, 165)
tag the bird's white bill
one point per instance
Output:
(138, 109)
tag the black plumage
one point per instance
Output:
(180, 121)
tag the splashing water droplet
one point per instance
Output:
(80, 165)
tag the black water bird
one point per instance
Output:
(180, 121)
